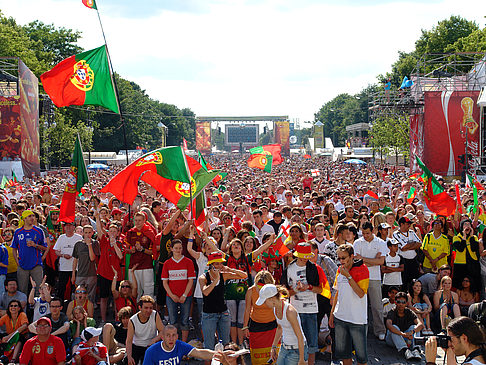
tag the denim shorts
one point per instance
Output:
(290, 356)
(349, 335)
(308, 322)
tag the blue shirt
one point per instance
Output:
(157, 355)
(29, 257)
(3, 259)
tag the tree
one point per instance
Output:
(390, 132)
(51, 44)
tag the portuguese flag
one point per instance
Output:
(90, 4)
(411, 195)
(273, 149)
(220, 177)
(435, 196)
(260, 159)
(82, 79)
(167, 171)
(77, 177)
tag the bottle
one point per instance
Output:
(219, 347)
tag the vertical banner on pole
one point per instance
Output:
(29, 119)
(203, 137)
(318, 135)
(281, 131)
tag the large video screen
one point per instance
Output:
(246, 134)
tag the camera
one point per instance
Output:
(442, 340)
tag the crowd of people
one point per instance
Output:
(286, 265)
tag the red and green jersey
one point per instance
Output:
(82, 79)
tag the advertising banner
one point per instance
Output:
(203, 137)
(29, 119)
(449, 117)
(416, 140)
(10, 130)
(281, 131)
(318, 135)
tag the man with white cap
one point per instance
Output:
(90, 351)
(45, 349)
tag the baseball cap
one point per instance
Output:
(267, 291)
(116, 211)
(45, 319)
(90, 332)
(404, 220)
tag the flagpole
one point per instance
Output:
(190, 181)
(82, 154)
(122, 120)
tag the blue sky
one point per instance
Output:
(249, 57)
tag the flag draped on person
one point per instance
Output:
(165, 170)
(77, 177)
(82, 79)
(436, 198)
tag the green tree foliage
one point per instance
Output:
(439, 39)
(51, 44)
(390, 132)
(342, 111)
(217, 139)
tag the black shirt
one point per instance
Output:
(404, 322)
(274, 225)
(120, 333)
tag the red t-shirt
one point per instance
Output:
(86, 359)
(178, 273)
(307, 182)
(109, 258)
(50, 352)
(146, 237)
(121, 302)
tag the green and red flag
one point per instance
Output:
(14, 177)
(260, 159)
(411, 195)
(199, 211)
(82, 79)
(165, 170)
(471, 181)
(77, 177)
(90, 4)
(220, 177)
(4, 182)
(416, 176)
(436, 198)
(275, 150)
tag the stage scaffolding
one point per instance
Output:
(9, 72)
(434, 72)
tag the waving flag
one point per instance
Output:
(471, 181)
(219, 178)
(90, 4)
(436, 198)
(77, 178)
(82, 79)
(165, 170)
(315, 172)
(411, 195)
(262, 161)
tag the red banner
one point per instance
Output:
(448, 117)
(203, 137)
(10, 130)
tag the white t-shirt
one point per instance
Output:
(349, 307)
(321, 245)
(66, 244)
(369, 250)
(403, 239)
(41, 308)
(393, 278)
(303, 301)
(259, 232)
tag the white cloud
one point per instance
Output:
(253, 57)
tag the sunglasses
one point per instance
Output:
(125, 286)
(13, 305)
(81, 291)
(56, 306)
